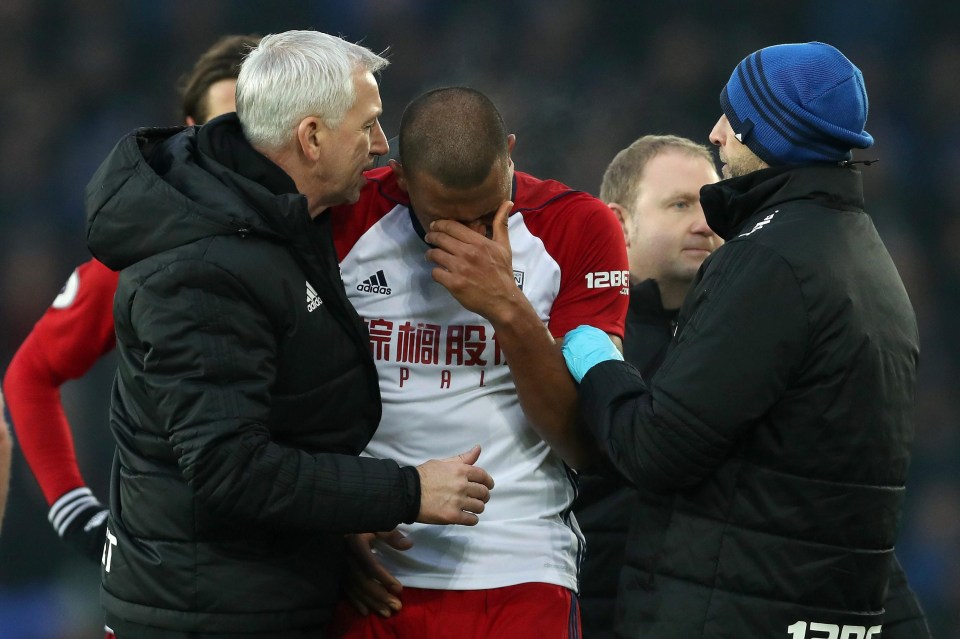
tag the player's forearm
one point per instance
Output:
(545, 389)
(45, 439)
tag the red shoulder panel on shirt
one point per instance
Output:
(377, 198)
(585, 238)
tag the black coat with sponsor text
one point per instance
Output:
(244, 393)
(780, 421)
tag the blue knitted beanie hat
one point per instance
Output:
(798, 104)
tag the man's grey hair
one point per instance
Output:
(295, 74)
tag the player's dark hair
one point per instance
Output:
(454, 134)
(220, 62)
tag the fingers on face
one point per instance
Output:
(501, 221)
(446, 279)
(454, 242)
(441, 257)
(452, 253)
(452, 229)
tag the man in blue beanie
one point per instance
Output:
(780, 421)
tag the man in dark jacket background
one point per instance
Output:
(780, 420)
(245, 388)
(653, 186)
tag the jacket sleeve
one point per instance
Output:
(208, 353)
(744, 337)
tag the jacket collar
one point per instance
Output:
(222, 139)
(646, 303)
(728, 204)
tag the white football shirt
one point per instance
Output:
(446, 385)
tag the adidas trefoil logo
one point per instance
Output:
(313, 300)
(376, 283)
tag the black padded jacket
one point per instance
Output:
(780, 421)
(244, 393)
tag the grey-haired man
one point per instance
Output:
(245, 388)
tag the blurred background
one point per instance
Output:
(575, 80)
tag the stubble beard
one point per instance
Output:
(744, 166)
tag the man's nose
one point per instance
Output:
(378, 142)
(716, 134)
(700, 226)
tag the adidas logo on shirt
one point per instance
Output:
(313, 300)
(375, 284)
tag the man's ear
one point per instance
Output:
(399, 172)
(310, 135)
(511, 143)
(621, 214)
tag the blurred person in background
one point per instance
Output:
(6, 455)
(77, 330)
(245, 389)
(466, 343)
(210, 88)
(653, 186)
(781, 419)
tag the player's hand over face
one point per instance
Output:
(367, 584)
(453, 490)
(476, 270)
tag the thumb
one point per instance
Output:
(500, 223)
(469, 457)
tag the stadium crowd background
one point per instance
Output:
(575, 80)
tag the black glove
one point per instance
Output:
(81, 521)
